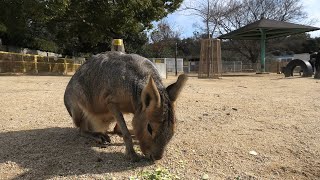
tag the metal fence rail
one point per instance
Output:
(231, 66)
(239, 66)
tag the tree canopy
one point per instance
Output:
(73, 26)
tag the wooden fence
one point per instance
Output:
(34, 64)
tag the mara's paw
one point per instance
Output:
(102, 139)
(132, 156)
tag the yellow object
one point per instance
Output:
(158, 61)
(117, 42)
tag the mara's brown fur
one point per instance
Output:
(114, 83)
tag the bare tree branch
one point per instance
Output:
(242, 12)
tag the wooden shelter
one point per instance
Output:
(264, 29)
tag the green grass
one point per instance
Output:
(158, 174)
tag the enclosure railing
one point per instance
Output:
(28, 63)
(231, 66)
(239, 66)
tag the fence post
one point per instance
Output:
(117, 45)
(65, 67)
(23, 64)
(11, 63)
(35, 63)
(73, 64)
(50, 68)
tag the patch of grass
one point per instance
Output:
(158, 174)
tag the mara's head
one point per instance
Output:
(154, 123)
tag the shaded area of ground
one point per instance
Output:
(52, 152)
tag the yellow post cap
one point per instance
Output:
(117, 42)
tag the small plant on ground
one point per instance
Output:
(158, 174)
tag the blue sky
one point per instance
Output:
(186, 25)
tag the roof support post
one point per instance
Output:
(263, 50)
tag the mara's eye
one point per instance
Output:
(149, 129)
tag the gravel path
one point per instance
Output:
(242, 127)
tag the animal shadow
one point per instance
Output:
(52, 152)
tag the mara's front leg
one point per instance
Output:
(125, 132)
(117, 130)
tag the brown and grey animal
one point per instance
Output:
(113, 83)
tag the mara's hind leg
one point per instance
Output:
(91, 126)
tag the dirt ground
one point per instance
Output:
(237, 127)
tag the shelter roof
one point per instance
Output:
(272, 29)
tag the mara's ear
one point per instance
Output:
(150, 96)
(175, 88)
